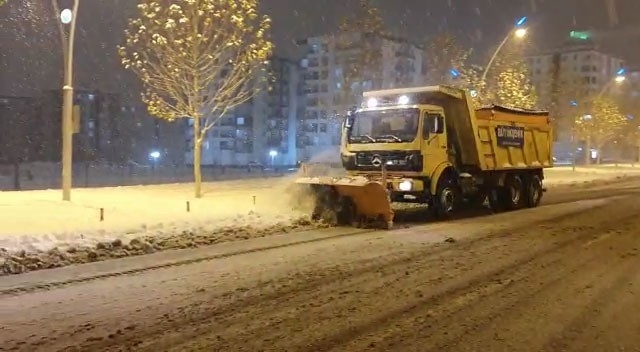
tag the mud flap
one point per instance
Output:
(371, 199)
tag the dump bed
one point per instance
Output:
(509, 138)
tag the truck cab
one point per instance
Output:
(407, 141)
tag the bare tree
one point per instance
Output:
(197, 60)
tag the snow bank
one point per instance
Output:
(558, 176)
(39, 220)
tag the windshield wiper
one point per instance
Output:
(390, 136)
(371, 139)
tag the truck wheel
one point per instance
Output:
(534, 191)
(446, 200)
(513, 193)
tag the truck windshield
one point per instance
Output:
(385, 126)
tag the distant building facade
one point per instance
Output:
(324, 82)
(578, 66)
(260, 131)
(110, 130)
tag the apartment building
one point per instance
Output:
(579, 61)
(112, 128)
(329, 92)
(260, 131)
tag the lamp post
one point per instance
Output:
(273, 154)
(68, 17)
(518, 31)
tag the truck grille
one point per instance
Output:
(394, 160)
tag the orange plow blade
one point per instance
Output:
(351, 199)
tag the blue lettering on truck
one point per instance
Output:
(510, 136)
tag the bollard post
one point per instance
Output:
(188, 207)
(101, 214)
(254, 200)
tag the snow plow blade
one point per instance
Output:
(350, 201)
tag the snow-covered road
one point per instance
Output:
(559, 277)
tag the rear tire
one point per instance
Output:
(533, 194)
(513, 192)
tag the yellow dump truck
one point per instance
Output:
(429, 145)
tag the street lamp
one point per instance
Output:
(273, 154)
(519, 31)
(68, 17)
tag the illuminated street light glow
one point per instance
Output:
(273, 153)
(620, 79)
(372, 102)
(155, 155)
(403, 100)
(66, 16)
(521, 32)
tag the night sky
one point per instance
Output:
(30, 51)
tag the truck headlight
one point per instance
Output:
(405, 186)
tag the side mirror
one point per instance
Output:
(348, 122)
(437, 124)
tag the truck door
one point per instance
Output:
(435, 141)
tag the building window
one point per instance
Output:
(227, 134)
(240, 121)
(323, 128)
